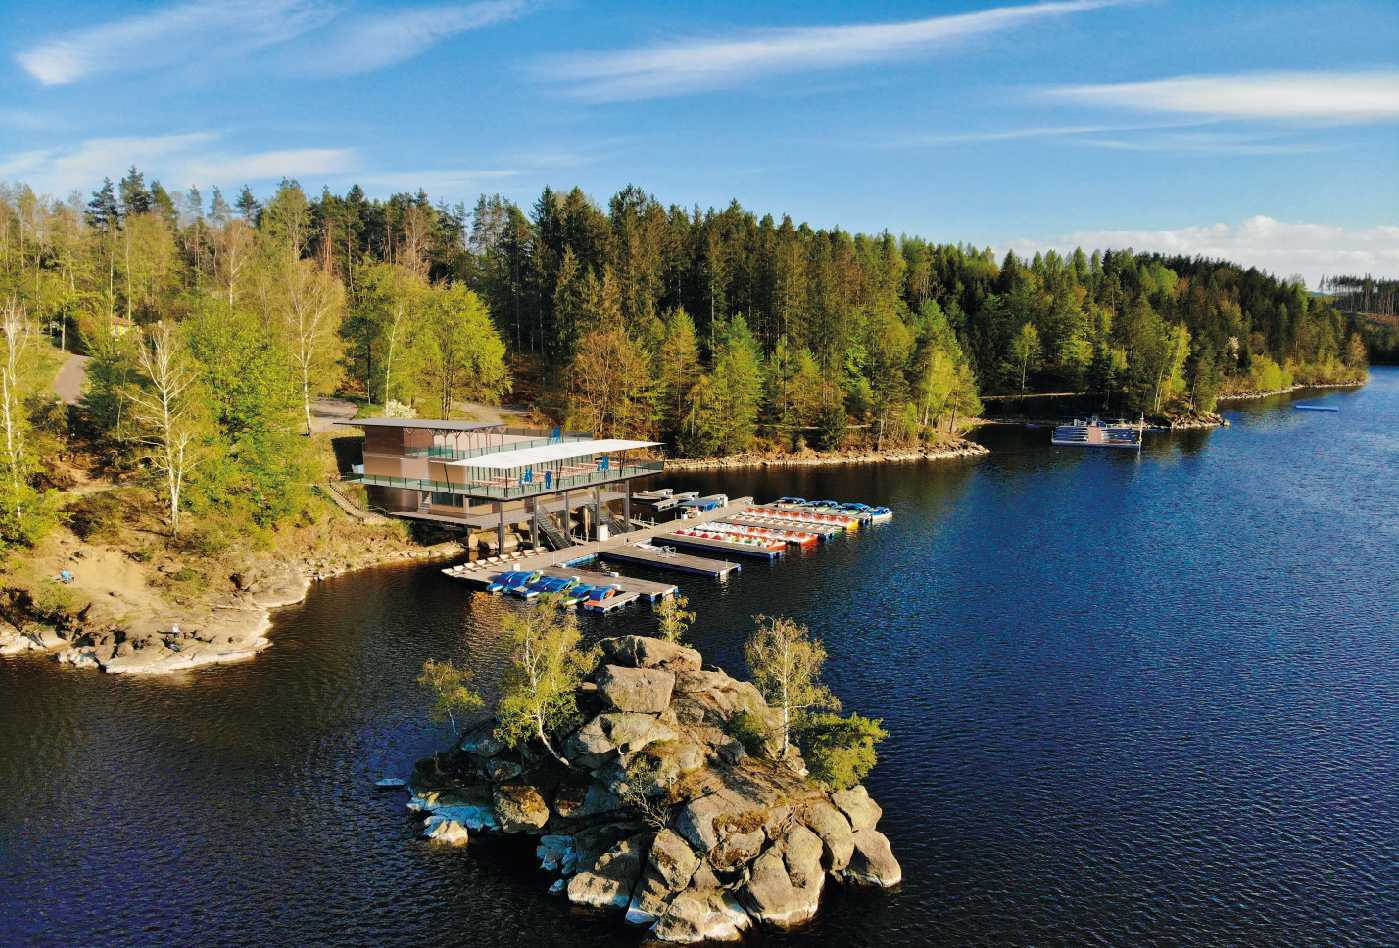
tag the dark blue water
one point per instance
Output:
(1134, 700)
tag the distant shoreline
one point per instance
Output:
(965, 449)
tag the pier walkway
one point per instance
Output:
(546, 560)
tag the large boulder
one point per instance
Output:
(639, 651)
(697, 821)
(643, 690)
(735, 849)
(520, 809)
(802, 850)
(609, 883)
(872, 861)
(579, 802)
(689, 682)
(592, 843)
(834, 829)
(697, 915)
(670, 866)
(649, 899)
(673, 859)
(862, 812)
(768, 893)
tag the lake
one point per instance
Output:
(1135, 699)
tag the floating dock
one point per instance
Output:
(823, 530)
(705, 543)
(1314, 408)
(666, 559)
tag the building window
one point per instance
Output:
(440, 499)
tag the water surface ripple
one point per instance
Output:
(1135, 700)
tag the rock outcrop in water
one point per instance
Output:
(664, 814)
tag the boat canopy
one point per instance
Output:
(531, 457)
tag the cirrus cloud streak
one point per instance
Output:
(676, 68)
(1311, 96)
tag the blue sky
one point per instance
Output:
(1263, 131)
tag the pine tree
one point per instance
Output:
(247, 204)
(135, 198)
(102, 211)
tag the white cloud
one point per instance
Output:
(187, 33)
(675, 68)
(335, 39)
(372, 41)
(1318, 97)
(1276, 246)
(176, 160)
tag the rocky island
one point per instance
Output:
(672, 801)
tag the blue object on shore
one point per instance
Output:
(1314, 408)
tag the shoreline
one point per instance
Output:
(229, 628)
(1245, 396)
(966, 449)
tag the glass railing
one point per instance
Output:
(455, 454)
(517, 489)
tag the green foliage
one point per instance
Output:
(839, 751)
(673, 621)
(52, 601)
(209, 539)
(96, 516)
(752, 731)
(831, 436)
(450, 690)
(786, 664)
(545, 667)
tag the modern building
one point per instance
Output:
(551, 484)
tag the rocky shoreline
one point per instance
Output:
(229, 628)
(668, 808)
(1244, 396)
(965, 449)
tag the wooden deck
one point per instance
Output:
(664, 559)
(547, 559)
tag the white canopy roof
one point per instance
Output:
(529, 457)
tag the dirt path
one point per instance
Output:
(505, 414)
(325, 412)
(69, 384)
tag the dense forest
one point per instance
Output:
(213, 327)
(1371, 304)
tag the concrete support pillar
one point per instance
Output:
(567, 516)
(500, 534)
(534, 526)
(626, 502)
(597, 512)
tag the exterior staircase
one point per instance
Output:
(342, 500)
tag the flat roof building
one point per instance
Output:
(481, 475)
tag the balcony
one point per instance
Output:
(501, 488)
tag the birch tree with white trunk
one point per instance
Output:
(786, 665)
(307, 309)
(165, 410)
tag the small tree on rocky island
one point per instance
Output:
(546, 667)
(786, 665)
(674, 621)
(839, 751)
(451, 695)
